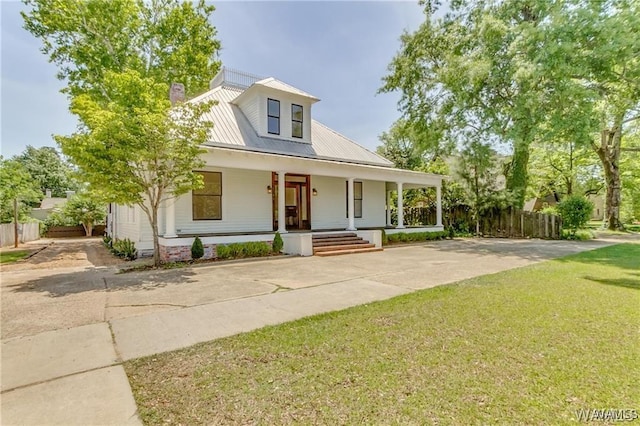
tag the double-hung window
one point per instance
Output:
(273, 116)
(206, 202)
(296, 121)
(357, 199)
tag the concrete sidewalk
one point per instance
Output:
(74, 376)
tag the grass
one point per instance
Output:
(13, 256)
(526, 346)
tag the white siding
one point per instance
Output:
(246, 205)
(128, 223)
(373, 204)
(329, 207)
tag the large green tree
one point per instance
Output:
(118, 58)
(49, 169)
(17, 187)
(464, 76)
(588, 52)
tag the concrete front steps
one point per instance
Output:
(344, 243)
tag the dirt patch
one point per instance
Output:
(67, 253)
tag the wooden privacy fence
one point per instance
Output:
(72, 231)
(501, 223)
(514, 223)
(29, 231)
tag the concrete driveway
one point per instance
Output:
(66, 329)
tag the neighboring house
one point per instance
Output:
(551, 200)
(538, 203)
(271, 167)
(49, 204)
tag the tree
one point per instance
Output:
(86, 209)
(137, 149)
(165, 40)
(479, 173)
(575, 211)
(587, 51)
(465, 74)
(118, 58)
(48, 169)
(564, 169)
(17, 187)
(630, 176)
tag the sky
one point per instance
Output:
(337, 51)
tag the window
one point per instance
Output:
(296, 121)
(357, 199)
(207, 202)
(273, 116)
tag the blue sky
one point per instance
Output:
(337, 51)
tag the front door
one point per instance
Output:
(297, 202)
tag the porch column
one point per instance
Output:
(400, 208)
(439, 205)
(282, 225)
(350, 206)
(388, 208)
(170, 218)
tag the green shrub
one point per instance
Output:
(125, 249)
(258, 249)
(237, 250)
(277, 243)
(223, 251)
(107, 241)
(579, 235)
(404, 237)
(197, 249)
(385, 239)
(242, 250)
(451, 233)
(575, 211)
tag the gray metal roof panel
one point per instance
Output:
(232, 129)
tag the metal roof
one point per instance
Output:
(283, 87)
(232, 129)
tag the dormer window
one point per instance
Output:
(296, 121)
(273, 116)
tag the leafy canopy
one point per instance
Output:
(49, 169)
(16, 184)
(165, 40)
(85, 209)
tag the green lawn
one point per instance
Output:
(13, 256)
(527, 346)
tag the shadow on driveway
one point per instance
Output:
(64, 284)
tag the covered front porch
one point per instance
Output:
(259, 194)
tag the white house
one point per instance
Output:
(265, 143)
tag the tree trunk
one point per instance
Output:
(517, 179)
(88, 229)
(15, 223)
(156, 243)
(609, 153)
